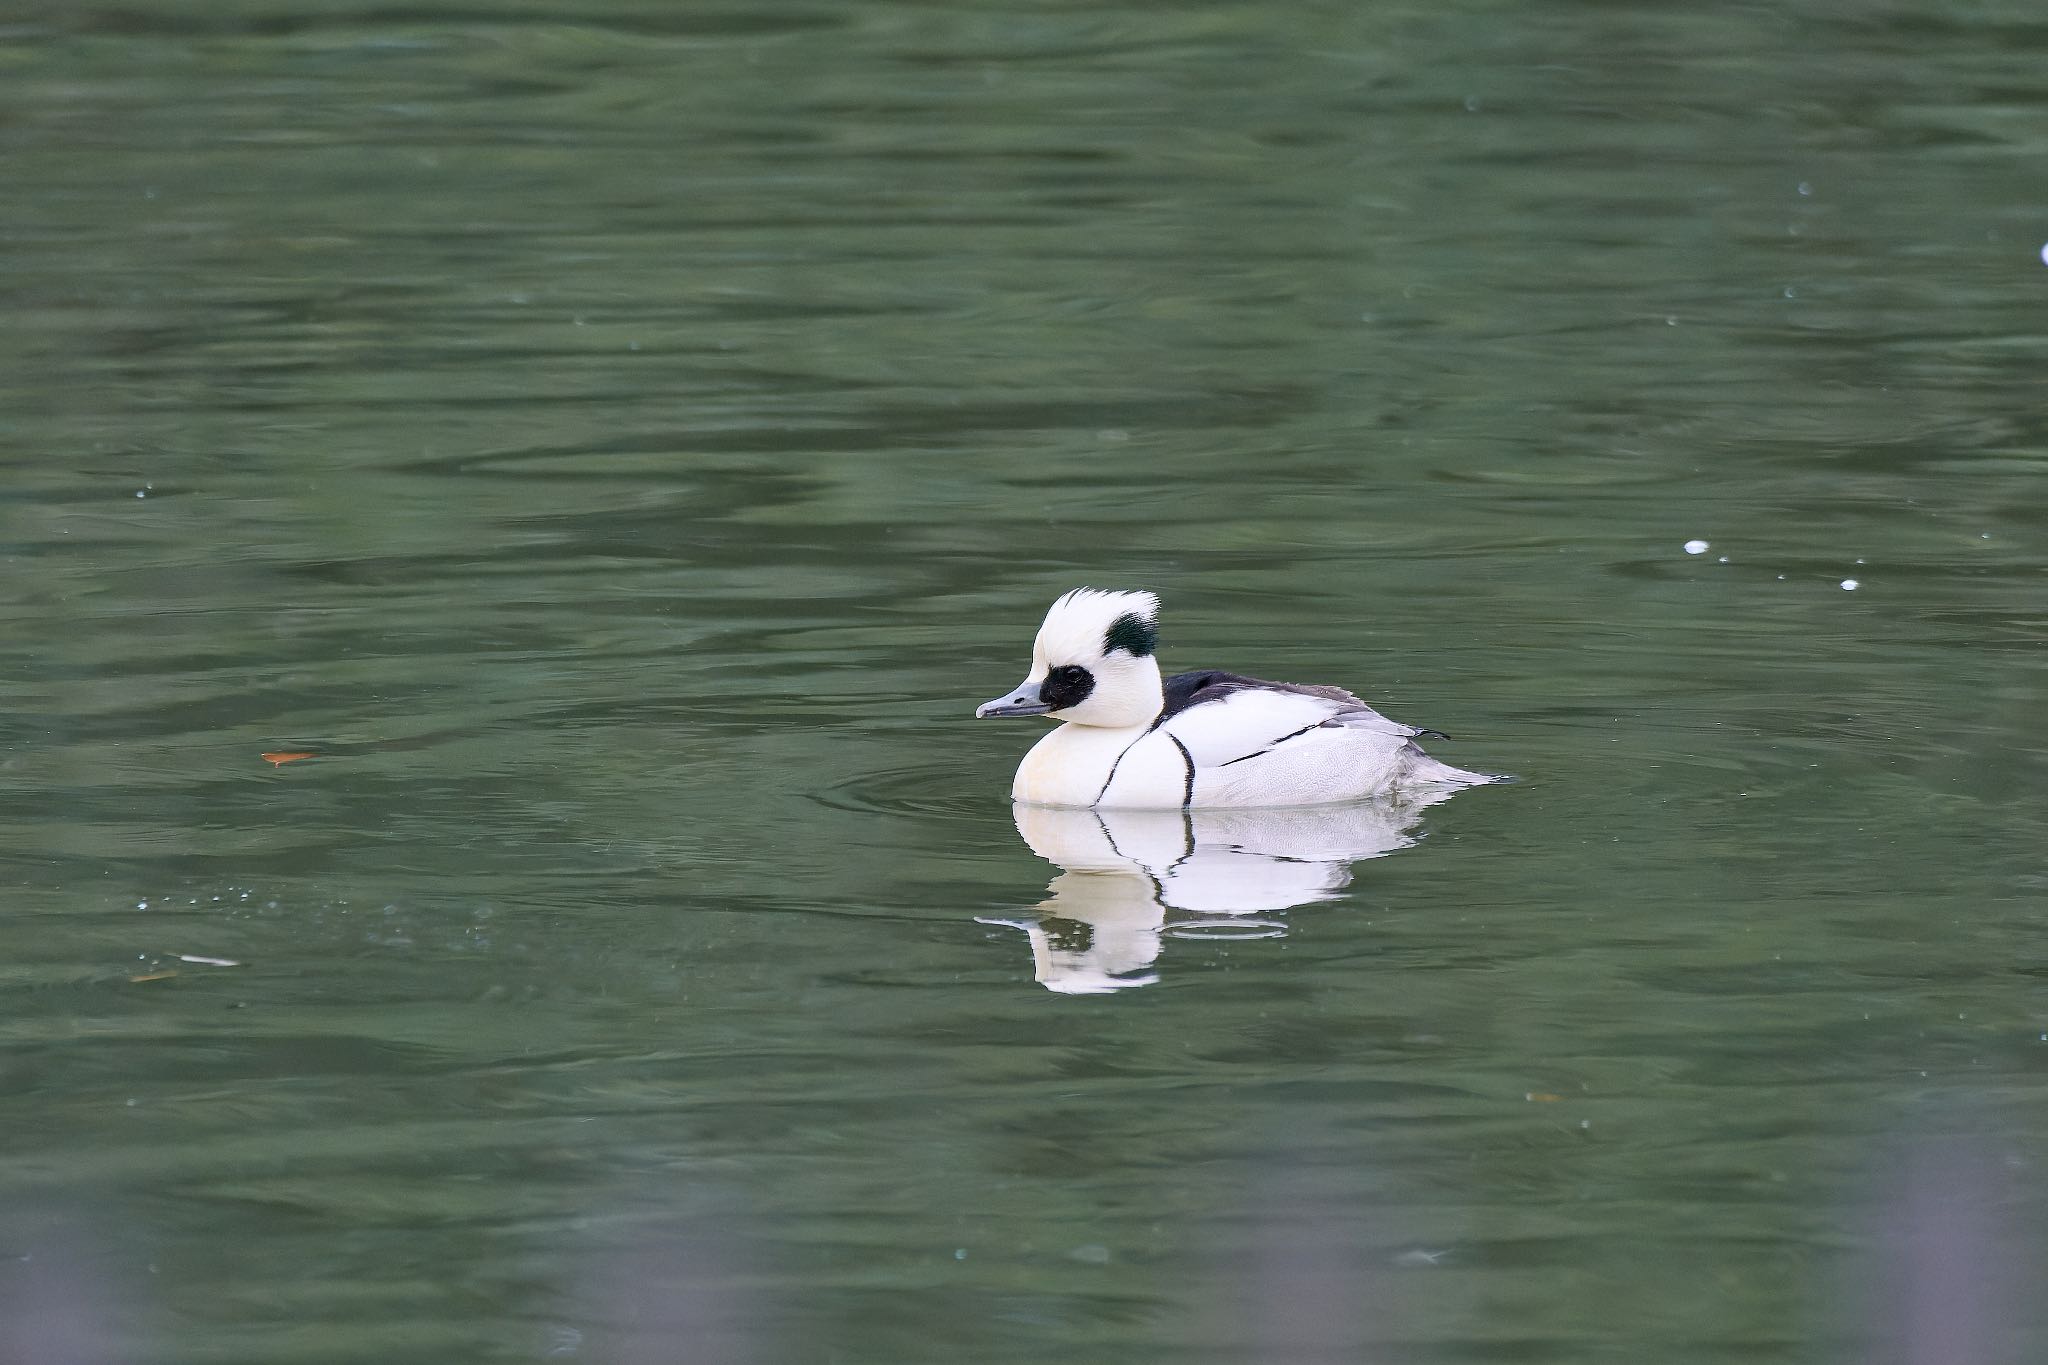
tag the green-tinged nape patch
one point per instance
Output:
(1131, 633)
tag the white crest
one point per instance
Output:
(1075, 628)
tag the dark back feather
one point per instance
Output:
(1192, 689)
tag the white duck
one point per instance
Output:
(1133, 740)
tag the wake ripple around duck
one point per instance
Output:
(926, 790)
(1226, 930)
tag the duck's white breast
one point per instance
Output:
(1087, 765)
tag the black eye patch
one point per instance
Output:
(1066, 686)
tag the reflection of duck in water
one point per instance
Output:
(1132, 740)
(1126, 871)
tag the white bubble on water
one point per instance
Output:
(2044, 253)
(1696, 547)
(1850, 585)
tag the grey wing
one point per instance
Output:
(1358, 716)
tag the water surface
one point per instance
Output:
(624, 442)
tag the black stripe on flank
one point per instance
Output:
(1187, 797)
(1270, 747)
(1112, 770)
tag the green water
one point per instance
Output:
(625, 441)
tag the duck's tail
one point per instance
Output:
(1424, 769)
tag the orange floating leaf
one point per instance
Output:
(287, 756)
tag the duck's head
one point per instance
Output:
(1092, 663)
